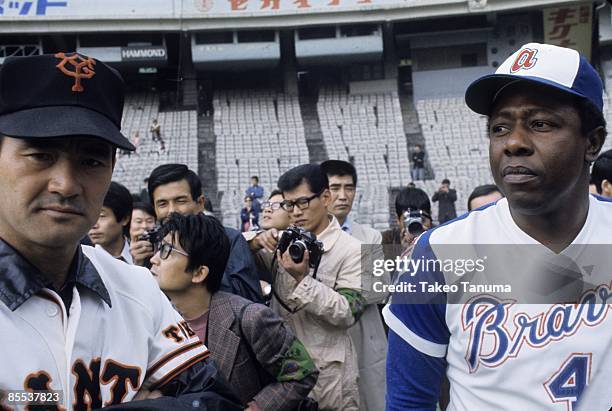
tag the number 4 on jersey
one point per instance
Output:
(567, 384)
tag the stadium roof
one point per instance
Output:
(62, 16)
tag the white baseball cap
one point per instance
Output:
(557, 67)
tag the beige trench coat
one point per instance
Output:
(368, 335)
(320, 317)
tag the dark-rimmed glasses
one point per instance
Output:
(166, 248)
(302, 202)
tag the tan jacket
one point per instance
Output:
(320, 316)
(368, 335)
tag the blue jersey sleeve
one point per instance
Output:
(416, 314)
(415, 387)
(418, 334)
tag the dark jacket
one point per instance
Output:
(446, 206)
(241, 276)
(249, 216)
(281, 375)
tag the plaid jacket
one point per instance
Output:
(283, 372)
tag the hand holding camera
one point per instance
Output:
(299, 250)
(297, 270)
(144, 247)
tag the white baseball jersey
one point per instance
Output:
(122, 334)
(515, 356)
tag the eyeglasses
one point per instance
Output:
(302, 203)
(166, 248)
(272, 205)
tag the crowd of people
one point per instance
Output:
(173, 309)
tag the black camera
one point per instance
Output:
(296, 240)
(153, 236)
(413, 221)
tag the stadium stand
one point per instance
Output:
(369, 131)
(178, 129)
(607, 97)
(258, 133)
(456, 143)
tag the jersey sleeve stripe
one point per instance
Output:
(179, 369)
(170, 356)
(426, 347)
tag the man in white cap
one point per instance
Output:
(546, 127)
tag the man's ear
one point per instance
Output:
(400, 222)
(126, 220)
(595, 141)
(606, 188)
(200, 202)
(326, 197)
(200, 275)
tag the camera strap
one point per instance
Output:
(278, 298)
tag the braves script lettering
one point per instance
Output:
(487, 315)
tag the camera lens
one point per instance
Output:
(415, 228)
(296, 251)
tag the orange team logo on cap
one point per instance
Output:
(525, 60)
(83, 68)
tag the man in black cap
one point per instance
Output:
(76, 321)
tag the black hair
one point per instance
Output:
(275, 192)
(446, 181)
(255, 178)
(480, 191)
(413, 199)
(204, 239)
(602, 170)
(146, 207)
(119, 200)
(339, 168)
(170, 173)
(312, 174)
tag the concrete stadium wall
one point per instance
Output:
(445, 83)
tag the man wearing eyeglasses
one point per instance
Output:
(256, 351)
(320, 310)
(273, 216)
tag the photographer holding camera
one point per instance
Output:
(413, 211)
(176, 188)
(446, 198)
(142, 231)
(319, 310)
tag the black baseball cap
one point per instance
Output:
(61, 95)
